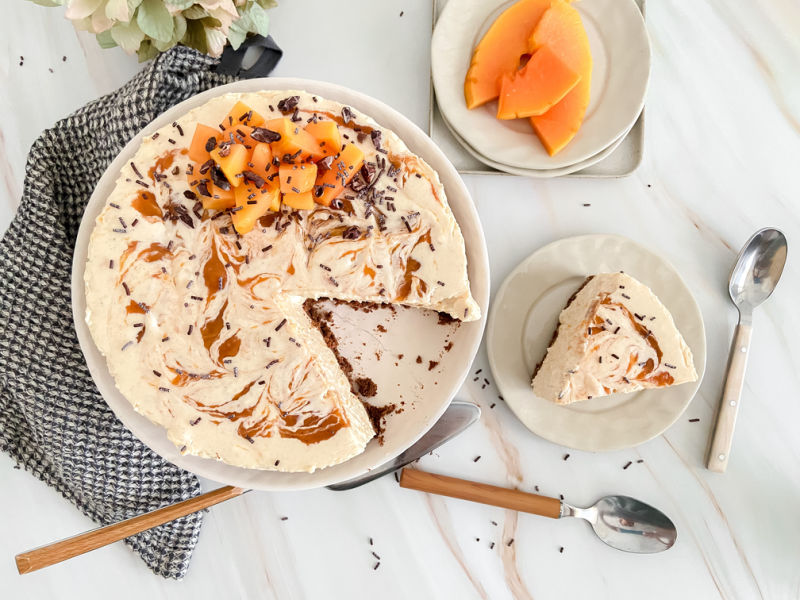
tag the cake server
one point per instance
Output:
(458, 416)
(621, 522)
(752, 281)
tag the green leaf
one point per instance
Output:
(236, 35)
(147, 51)
(49, 3)
(259, 19)
(128, 36)
(181, 4)
(154, 20)
(80, 9)
(195, 12)
(118, 10)
(105, 40)
(195, 36)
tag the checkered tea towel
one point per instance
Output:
(53, 421)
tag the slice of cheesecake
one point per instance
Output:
(613, 336)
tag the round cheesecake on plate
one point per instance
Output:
(217, 233)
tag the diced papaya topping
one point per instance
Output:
(302, 201)
(261, 163)
(326, 135)
(219, 200)
(232, 159)
(295, 144)
(297, 178)
(331, 183)
(198, 149)
(241, 114)
(251, 204)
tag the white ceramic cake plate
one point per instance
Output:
(426, 393)
(525, 313)
(621, 71)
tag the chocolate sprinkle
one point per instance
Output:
(693, 420)
(281, 324)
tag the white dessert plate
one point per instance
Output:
(425, 392)
(621, 71)
(525, 313)
(538, 173)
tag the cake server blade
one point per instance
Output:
(458, 416)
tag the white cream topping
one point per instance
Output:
(191, 318)
(615, 336)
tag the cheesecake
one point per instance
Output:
(219, 230)
(613, 336)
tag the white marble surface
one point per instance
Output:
(721, 160)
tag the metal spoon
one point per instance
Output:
(621, 522)
(753, 279)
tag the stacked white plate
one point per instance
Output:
(620, 74)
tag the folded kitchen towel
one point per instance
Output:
(53, 421)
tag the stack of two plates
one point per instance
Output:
(621, 70)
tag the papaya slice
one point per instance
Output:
(297, 178)
(241, 114)
(201, 140)
(302, 201)
(535, 88)
(331, 182)
(232, 160)
(326, 134)
(253, 203)
(500, 49)
(561, 29)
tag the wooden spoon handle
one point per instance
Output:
(65, 549)
(720, 449)
(480, 492)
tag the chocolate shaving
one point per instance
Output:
(288, 105)
(219, 179)
(255, 178)
(262, 134)
(348, 115)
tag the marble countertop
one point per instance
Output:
(721, 160)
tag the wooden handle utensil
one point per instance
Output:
(57, 552)
(480, 492)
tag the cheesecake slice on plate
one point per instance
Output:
(613, 336)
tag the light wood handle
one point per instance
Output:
(480, 492)
(57, 552)
(720, 450)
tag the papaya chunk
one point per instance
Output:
(302, 201)
(261, 163)
(219, 200)
(233, 162)
(561, 29)
(326, 135)
(297, 178)
(241, 114)
(331, 183)
(251, 204)
(535, 88)
(295, 144)
(200, 141)
(500, 49)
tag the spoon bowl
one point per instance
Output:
(627, 524)
(758, 269)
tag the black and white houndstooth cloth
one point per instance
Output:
(53, 421)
